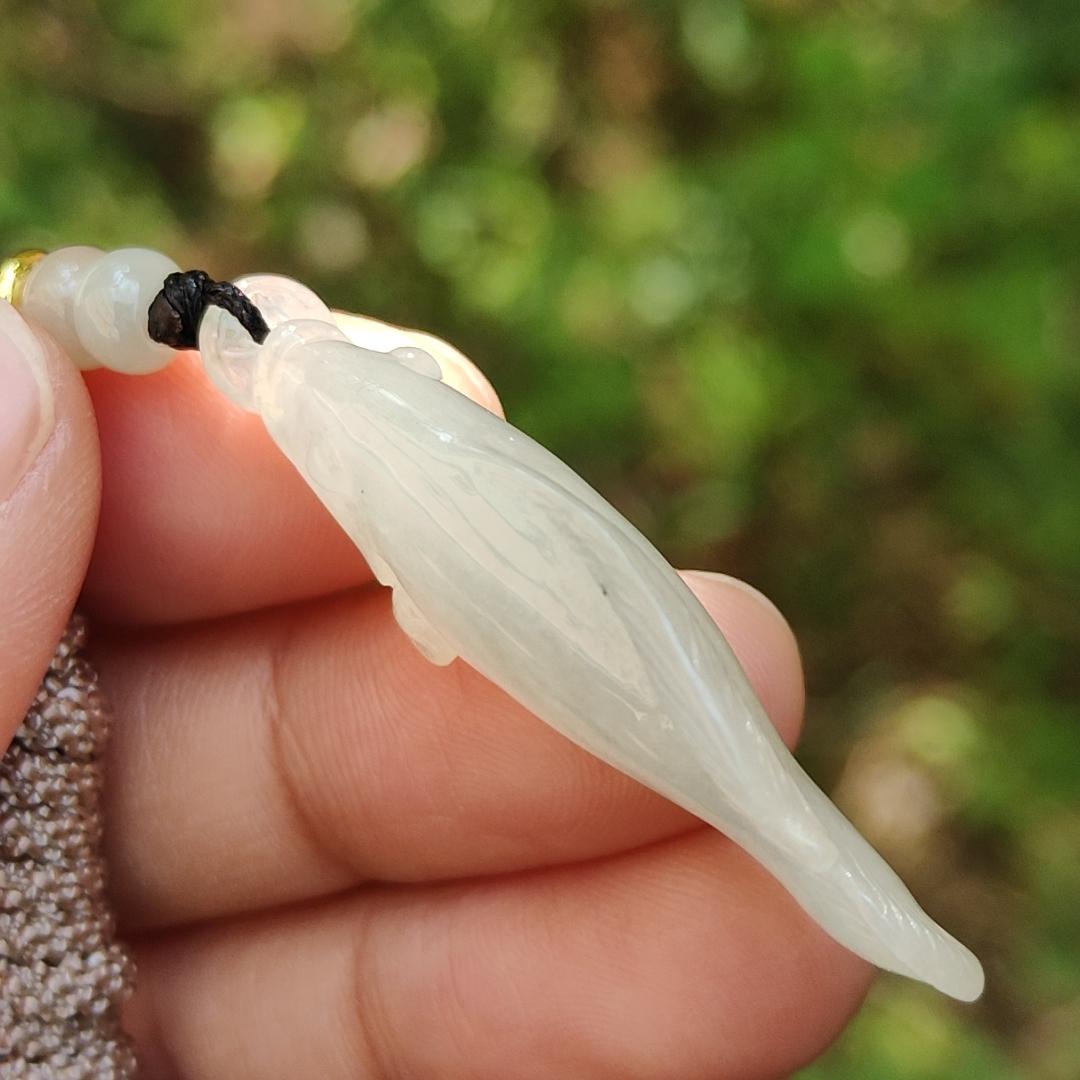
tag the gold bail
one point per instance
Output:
(13, 272)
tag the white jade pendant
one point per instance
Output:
(500, 554)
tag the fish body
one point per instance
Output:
(500, 554)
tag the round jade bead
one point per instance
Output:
(228, 352)
(48, 297)
(111, 310)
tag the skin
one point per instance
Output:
(336, 860)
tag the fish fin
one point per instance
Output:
(420, 631)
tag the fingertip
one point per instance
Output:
(762, 640)
(201, 514)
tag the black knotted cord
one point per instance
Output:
(174, 316)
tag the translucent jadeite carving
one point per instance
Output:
(498, 553)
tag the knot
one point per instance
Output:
(175, 313)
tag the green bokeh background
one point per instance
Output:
(795, 284)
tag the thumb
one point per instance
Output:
(49, 495)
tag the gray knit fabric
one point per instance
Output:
(62, 977)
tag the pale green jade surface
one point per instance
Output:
(499, 553)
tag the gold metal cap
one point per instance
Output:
(13, 271)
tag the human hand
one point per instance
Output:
(337, 860)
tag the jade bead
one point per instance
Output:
(111, 310)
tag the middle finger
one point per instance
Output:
(291, 754)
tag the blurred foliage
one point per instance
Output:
(794, 283)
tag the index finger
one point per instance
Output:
(202, 515)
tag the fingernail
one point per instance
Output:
(26, 403)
